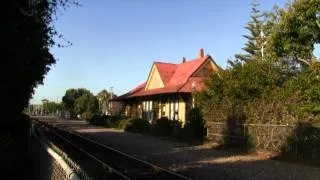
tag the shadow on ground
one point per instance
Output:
(199, 162)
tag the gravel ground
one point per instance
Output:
(197, 162)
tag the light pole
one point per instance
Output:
(110, 102)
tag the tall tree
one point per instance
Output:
(80, 101)
(51, 107)
(70, 98)
(104, 96)
(27, 33)
(86, 105)
(296, 33)
(255, 39)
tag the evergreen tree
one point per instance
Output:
(254, 46)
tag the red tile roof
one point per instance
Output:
(166, 71)
(185, 70)
(176, 78)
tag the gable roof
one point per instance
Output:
(166, 71)
(185, 70)
(176, 78)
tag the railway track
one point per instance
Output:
(101, 161)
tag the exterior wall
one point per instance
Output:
(115, 108)
(133, 110)
(136, 108)
(206, 69)
(154, 80)
(182, 110)
(167, 107)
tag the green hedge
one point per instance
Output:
(137, 125)
(98, 120)
(165, 127)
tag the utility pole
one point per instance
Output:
(110, 102)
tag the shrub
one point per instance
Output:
(112, 121)
(194, 128)
(304, 142)
(98, 120)
(122, 123)
(137, 125)
(166, 127)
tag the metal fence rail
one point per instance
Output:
(50, 164)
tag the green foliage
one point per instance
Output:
(27, 32)
(98, 120)
(137, 125)
(52, 107)
(195, 127)
(304, 142)
(122, 123)
(255, 26)
(165, 127)
(303, 92)
(229, 91)
(80, 101)
(116, 122)
(296, 31)
(103, 96)
(70, 97)
(282, 89)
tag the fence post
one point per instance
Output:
(269, 134)
(244, 136)
(297, 140)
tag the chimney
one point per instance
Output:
(201, 53)
(183, 60)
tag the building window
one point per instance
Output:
(174, 110)
(163, 110)
(147, 110)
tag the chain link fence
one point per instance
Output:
(51, 163)
(301, 139)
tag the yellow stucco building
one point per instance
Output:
(167, 91)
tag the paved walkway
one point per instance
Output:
(197, 162)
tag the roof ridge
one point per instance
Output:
(163, 62)
(197, 59)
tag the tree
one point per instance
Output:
(51, 107)
(296, 33)
(103, 96)
(80, 101)
(86, 105)
(255, 38)
(70, 97)
(27, 32)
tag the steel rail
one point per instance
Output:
(59, 132)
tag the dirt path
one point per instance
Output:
(197, 162)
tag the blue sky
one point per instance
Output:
(116, 41)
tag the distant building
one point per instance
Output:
(167, 91)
